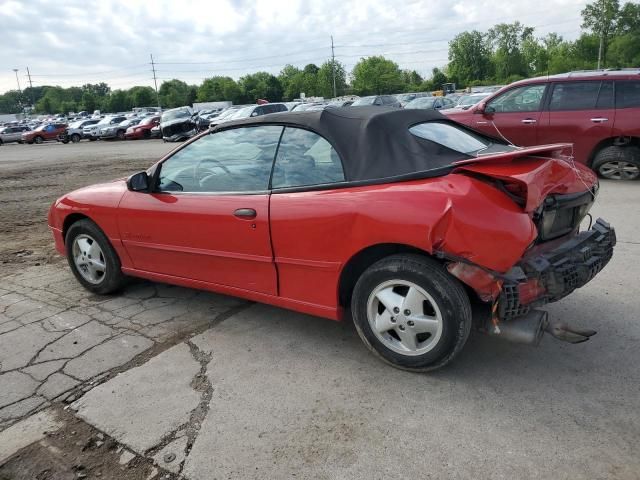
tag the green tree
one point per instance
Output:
(376, 75)
(292, 80)
(118, 101)
(438, 78)
(142, 96)
(600, 19)
(174, 93)
(260, 85)
(412, 80)
(325, 79)
(470, 57)
(507, 39)
(217, 89)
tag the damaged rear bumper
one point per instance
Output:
(547, 273)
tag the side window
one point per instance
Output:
(258, 111)
(574, 96)
(520, 99)
(627, 94)
(305, 158)
(605, 96)
(377, 101)
(235, 160)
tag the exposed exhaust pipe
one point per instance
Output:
(526, 329)
(530, 328)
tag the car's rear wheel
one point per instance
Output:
(618, 163)
(92, 259)
(120, 134)
(146, 134)
(38, 140)
(75, 138)
(411, 312)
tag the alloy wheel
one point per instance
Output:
(404, 317)
(89, 259)
(619, 170)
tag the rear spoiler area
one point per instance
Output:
(529, 175)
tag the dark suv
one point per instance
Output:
(597, 111)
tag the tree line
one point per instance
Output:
(502, 54)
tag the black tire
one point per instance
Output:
(448, 293)
(113, 279)
(92, 139)
(38, 139)
(625, 158)
(146, 134)
(120, 134)
(75, 138)
(2, 142)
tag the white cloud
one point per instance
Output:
(79, 41)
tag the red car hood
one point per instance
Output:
(535, 171)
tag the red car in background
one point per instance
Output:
(49, 131)
(598, 112)
(402, 217)
(143, 129)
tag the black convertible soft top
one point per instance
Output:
(374, 143)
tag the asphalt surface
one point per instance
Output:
(208, 386)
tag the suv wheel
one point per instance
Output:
(618, 163)
(38, 139)
(411, 312)
(75, 138)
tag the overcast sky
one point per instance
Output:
(68, 42)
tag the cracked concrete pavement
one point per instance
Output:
(57, 341)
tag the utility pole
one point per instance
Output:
(333, 68)
(18, 80)
(155, 80)
(31, 87)
(601, 34)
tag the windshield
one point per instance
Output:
(40, 128)
(172, 115)
(105, 121)
(421, 103)
(471, 99)
(364, 101)
(451, 137)
(76, 124)
(242, 113)
(148, 120)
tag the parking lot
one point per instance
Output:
(208, 386)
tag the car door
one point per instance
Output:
(307, 221)
(513, 115)
(207, 218)
(579, 112)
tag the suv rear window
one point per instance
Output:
(574, 96)
(627, 94)
(450, 137)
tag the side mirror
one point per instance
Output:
(138, 182)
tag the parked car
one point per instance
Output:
(405, 98)
(378, 100)
(596, 111)
(12, 133)
(178, 124)
(430, 103)
(466, 101)
(92, 132)
(142, 129)
(118, 130)
(341, 103)
(75, 131)
(258, 110)
(225, 115)
(402, 217)
(45, 132)
(156, 132)
(303, 107)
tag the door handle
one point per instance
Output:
(599, 120)
(246, 213)
(528, 121)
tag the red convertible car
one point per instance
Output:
(402, 217)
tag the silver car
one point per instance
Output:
(92, 132)
(75, 131)
(12, 134)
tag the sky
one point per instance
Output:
(69, 42)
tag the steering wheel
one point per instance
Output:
(199, 170)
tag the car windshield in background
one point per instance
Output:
(147, 121)
(451, 137)
(421, 103)
(172, 115)
(363, 101)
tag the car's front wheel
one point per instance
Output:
(92, 259)
(75, 138)
(411, 312)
